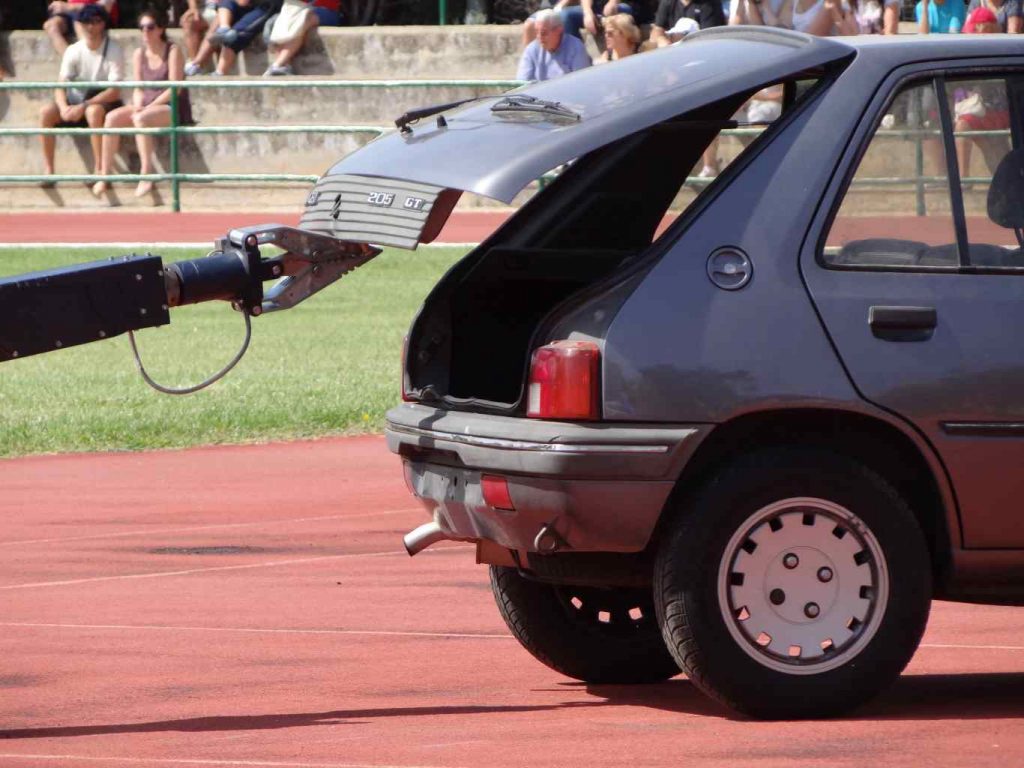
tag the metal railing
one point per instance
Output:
(175, 130)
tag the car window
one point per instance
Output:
(980, 109)
(896, 211)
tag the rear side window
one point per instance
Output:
(937, 185)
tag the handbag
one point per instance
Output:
(972, 106)
(290, 22)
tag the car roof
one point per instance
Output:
(497, 154)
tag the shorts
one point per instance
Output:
(247, 23)
(990, 121)
(109, 106)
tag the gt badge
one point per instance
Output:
(313, 198)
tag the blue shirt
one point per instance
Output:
(948, 17)
(538, 64)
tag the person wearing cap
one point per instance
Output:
(63, 13)
(94, 58)
(667, 28)
(553, 53)
(1008, 14)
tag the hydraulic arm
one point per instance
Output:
(64, 307)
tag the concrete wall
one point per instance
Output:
(371, 53)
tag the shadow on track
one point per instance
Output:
(975, 696)
(913, 697)
(273, 722)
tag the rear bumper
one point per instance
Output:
(590, 487)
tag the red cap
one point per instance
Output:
(979, 16)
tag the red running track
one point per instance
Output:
(253, 606)
(189, 227)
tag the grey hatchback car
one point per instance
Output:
(745, 428)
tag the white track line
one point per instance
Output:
(189, 572)
(260, 630)
(382, 632)
(185, 761)
(160, 532)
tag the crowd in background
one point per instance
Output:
(553, 43)
(215, 31)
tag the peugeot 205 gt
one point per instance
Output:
(751, 441)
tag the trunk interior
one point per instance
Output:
(471, 343)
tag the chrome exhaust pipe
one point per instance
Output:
(420, 538)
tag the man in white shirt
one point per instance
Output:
(95, 57)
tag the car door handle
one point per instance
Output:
(902, 323)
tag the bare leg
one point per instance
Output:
(94, 117)
(226, 60)
(529, 32)
(711, 159)
(55, 28)
(193, 28)
(49, 116)
(204, 53)
(153, 117)
(963, 149)
(118, 118)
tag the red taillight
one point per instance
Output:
(564, 378)
(495, 491)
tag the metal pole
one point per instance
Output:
(175, 183)
(442, 12)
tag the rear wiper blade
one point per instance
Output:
(413, 115)
(522, 103)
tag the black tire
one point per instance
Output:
(697, 572)
(572, 639)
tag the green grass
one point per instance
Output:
(329, 366)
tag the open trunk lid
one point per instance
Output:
(495, 146)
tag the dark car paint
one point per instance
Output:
(797, 337)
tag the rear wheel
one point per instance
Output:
(599, 635)
(796, 584)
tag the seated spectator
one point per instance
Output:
(553, 53)
(764, 13)
(1008, 13)
(60, 24)
(580, 14)
(940, 16)
(877, 17)
(156, 59)
(95, 57)
(238, 24)
(296, 20)
(194, 17)
(706, 13)
(622, 37)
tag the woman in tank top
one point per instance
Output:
(157, 59)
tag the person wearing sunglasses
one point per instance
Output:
(157, 59)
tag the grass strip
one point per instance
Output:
(327, 367)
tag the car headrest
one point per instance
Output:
(1006, 195)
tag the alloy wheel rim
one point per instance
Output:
(803, 585)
